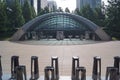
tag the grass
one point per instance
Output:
(114, 39)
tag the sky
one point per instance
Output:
(71, 4)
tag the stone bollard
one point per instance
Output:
(34, 68)
(96, 74)
(117, 65)
(111, 73)
(14, 64)
(81, 76)
(49, 73)
(1, 73)
(21, 73)
(75, 63)
(54, 63)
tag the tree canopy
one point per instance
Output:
(67, 10)
(113, 18)
(3, 16)
(14, 16)
(27, 11)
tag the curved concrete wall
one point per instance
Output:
(99, 32)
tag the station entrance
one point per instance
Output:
(60, 26)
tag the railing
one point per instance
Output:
(18, 72)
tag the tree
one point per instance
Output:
(67, 10)
(87, 12)
(18, 17)
(15, 16)
(46, 10)
(3, 16)
(60, 9)
(54, 8)
(95, 15)
(33, 12)
(41, 12)
(99, 17)
(113, 18)
(27, 11)
(77, 11)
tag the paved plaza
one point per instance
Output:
(86, 52)
(59, 42)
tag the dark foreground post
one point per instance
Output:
(34, 68)
(14, 64)
(96, 74)
(21, 73)
(49, 73)
(111, 73)
(80, 73)
(75, 63)
(0, 69)
(117, 65)
(54, 63)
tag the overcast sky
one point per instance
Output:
(71, 4)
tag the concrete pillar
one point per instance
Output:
(29, 35)
(96, 74)
(70, 37)
(80, 73)
(75, 63)
(1, 73)
(117, 65)
(33, 35)
(49, 73)
(26, 36)
(34, 68)
(54, 63)
(21, 73)
(93, 36)
(14, 64)
(87, 37)
(111, 73)
(81, 37)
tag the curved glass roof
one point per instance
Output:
(59, 22)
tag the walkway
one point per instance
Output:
(59, 42)
(106, 51)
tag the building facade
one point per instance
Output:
(37, 4)
(93, 3)
(52, 5)
(43, 3)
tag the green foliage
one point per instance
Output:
(27, 11)
(95, 15)
(113, 18)
(43, 11)
(54, 9)
(77, 11)
(46, 10)
(10, 18)
(87, 12)
(99, 17)
(15, 16)
(3, 17)
(33, 12)
(60, 9)
(67, 10)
